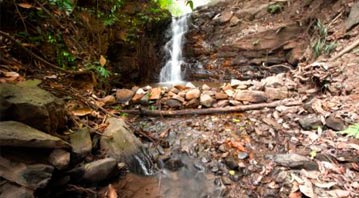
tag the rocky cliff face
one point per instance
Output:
(243, 39)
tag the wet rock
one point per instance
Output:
(108, 100)
(174, 90)
(353, 18)
(124, 95)
(96, 171)
(309, 122)
(145, 99)
(220, 96)
(226, 180)
(59, 158)
(14, 133)
(293, 160)
(206, 100)
(250, 96)
(172, 103)
(174, 164)
(155, 93)
(192, 94)
(180, 87)
(9, 190)
(276, 93)
(32, 105)
(137, 97)
(334, 123)
(121, 144)
(32, 176)
(81, 142)
(231, 164)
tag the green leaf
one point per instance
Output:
(352, 130)
(190, 4)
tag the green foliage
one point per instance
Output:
(352, 131)
(275, 8)
(65, 5)
(190, 4)
(101, 71)
(65, 59)
(321, 45)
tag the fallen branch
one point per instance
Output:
(345, 50)
(240, 108)
(6, 35)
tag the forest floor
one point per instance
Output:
(285, 151)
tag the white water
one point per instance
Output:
(171, 72)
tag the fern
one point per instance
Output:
(352, 131)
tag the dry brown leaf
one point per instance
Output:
(25, 5)
(339, 193)
(111, 193)
(82, 111)
(307, 188)
(102, 61)
(296, 194)
(325, 185)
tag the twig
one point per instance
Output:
(240, 108)
(40, 58)
(81, 189)
(345, 50)
(49, 13)
(21, 17)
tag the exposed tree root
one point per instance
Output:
(345, 50)
(240, 108)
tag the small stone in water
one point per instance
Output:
(214, 169)
(242, 155)
(198, 166)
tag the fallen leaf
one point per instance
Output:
(111, 193)
(296, 194)
(25, 5)
(239, 146)
(339, 193)
(82, 111)
(325, 185)
(307, 188)
(102, 61)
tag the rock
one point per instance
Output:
(242, 155)
(9, 190)
(334, 123)
(205, 87)
(32, 105)
(137, 98)
(96, 171)
(235, 102)
(190, 85)
(226, 180)
(174, 90)
(32, 176)
(179, 98)
(173, 103)
(81, 142)
(109, 100)
(206, 100)
(145, 99)
(273, 81)
(180, 87)
(194, 103)
(220, 96)
(155, 93)
(235, 82)
(221, 103)
(310, 122)
(193, 93)
(353, 18)
(276, 93)
(293, 160)
(229, 92)
(234, 21)
(121, 144)
(224, 17)
(59, 158)
(250, 96)
(17, 134)
(231, 163)
(124, 95)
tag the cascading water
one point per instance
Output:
(171, 72)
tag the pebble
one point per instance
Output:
(242, 155)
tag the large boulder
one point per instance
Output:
(81, 142)
(119, 142)
(32, 176)
(27, 103)
(17, 134)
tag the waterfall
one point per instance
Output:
(171, 72)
